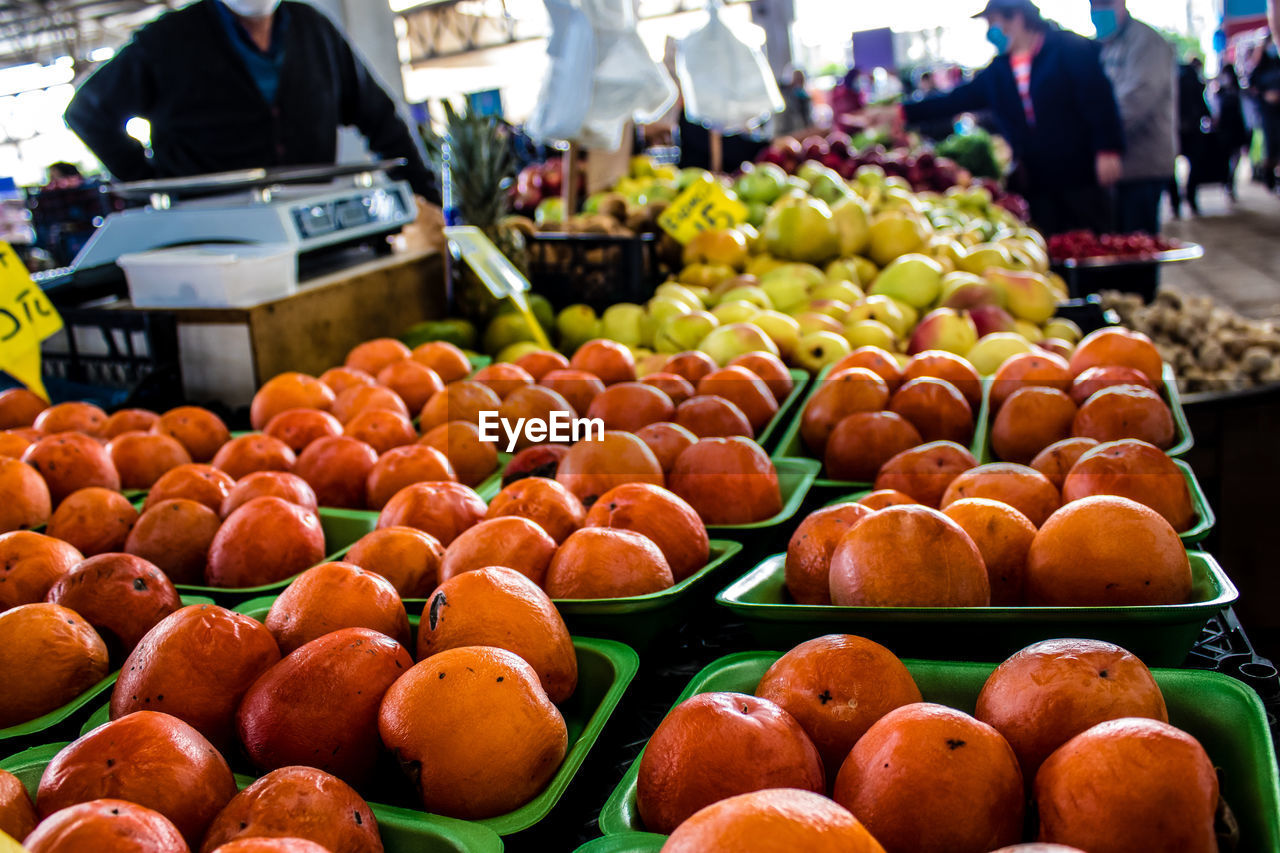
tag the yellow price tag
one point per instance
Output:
(702, 206)
(27, 317)
(8, 845)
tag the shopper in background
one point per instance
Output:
(797, 112)
(1051, 101)
(1264, 87)
(1192, 144)
(237, 84)
(1228, 122)
(1141, 65)
(850, 94)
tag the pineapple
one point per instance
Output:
(481, 166)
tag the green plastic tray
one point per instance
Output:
(342, 527)
(1204, 517)
(605, 669)
(24, 734)
(1159, 634)
(791, 445)
(1223, 714)
(781, 419)
(434, 834)
(795, 478)
(492, 484)
(625, 842)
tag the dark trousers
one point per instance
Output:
(1057, 211)
(1138, 205)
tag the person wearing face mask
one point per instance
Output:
(1052, 103)
(239, 84)
(1143, 69)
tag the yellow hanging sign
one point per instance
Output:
(702, 206)
(27, 317)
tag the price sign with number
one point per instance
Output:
(702, 206)
(27, 317)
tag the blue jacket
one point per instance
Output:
(1075, 111)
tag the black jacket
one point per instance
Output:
(182, 73)
(1075, 110)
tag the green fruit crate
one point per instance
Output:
(791, 444)
(795, 479)
(64, 721)
(1183, 441)
(769, 436)
(342, 528)
(1224, 715)
(432, 834)
(625, 842)
(1201, 525)
(1159, 634)
(605, 669)
(492, 484)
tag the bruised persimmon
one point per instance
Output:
(155, 760)
(852, 390)
(770, 368)
(372, 356)
(67, 461)
(609, 360)
(779, 818)
(299, 427)
(1136, 470)
(49, 655)
(925, 472)
(443, 509)
(862, 442)
(955, 369)
(591, 468)
(836, 687)
(265, 540)
(876, 359)
(404, 466)
(337, 470)
(245, 454)
(175, 536)
(197, 429)
(448, 361)
(280, 484)
(298, 802)
(459, 401)
(727, 481)
(414, 382)
(105, 824)
(201, 483)
(541, 362)
(331, 596)
(501, 608)
(713, 417)
(717, 745)
(475, 728)
(908, 556)
(141, 458)
(808, 563)
(1115, 345)
(121, 596)
(17, 812)
(628, 406)
(196, 664)
(408, 558)
(1027, 370)
(509, 541)
(601, 562)
(503, 378)
(288, 391)
(340, 379)
(1023, 488)
(677, 388)
(543, 501)
(531, 403)
(27, 500)
(71, 417)
(1094, 379)
(1030, 420)
(1058, 458)
(93, 520)
(935, 408)
(365, 398)
(129, 420)
(288, 717)
(1003, 536)
(381, 429)
(29, 564)
(660, 516)
(1125, 411)
(577, 387)
(691, 364)
(473, 459)
(667, 440)
(881, 498)
(20, 407)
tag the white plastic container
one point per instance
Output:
(212, 275)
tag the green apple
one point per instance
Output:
(816, 350)
(812, 321)
(985, 256)
(883, 309)
(914, 279)
(867, 269)
(894, 234)
(870, 175)
(748, 293)
(788, 286)
(577, 324)
(870, 333)
(761, 183)
(801, 230)
(845, 291)
(682, 292)
(663, 308)
(1029, 295)
(623, 323)
(706, 275)
(652, 363)
(843, 269)
(784, 331)
(684, 332)
(1029, 330)
(834, 308)
(735, 311)
(1063, 329)
(992, 350)
(853, 224)
(512, 352)
(726, 343)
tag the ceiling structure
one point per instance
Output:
(40, 31)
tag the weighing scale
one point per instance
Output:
(307, 208)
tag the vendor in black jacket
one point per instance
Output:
(1051, 100)
(238, 84)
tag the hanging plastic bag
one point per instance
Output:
(566, 87)
(727, 83)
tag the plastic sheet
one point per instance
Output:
(727, 83)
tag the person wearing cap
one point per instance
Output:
(1143, 69)
(239, 84)
(1051, 101)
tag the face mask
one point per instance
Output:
(997, 37)
(251, 8)
(1105, 22)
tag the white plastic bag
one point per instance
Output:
(566, 87)
(727, 83)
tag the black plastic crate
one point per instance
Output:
(114, 357)
(595, 269)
